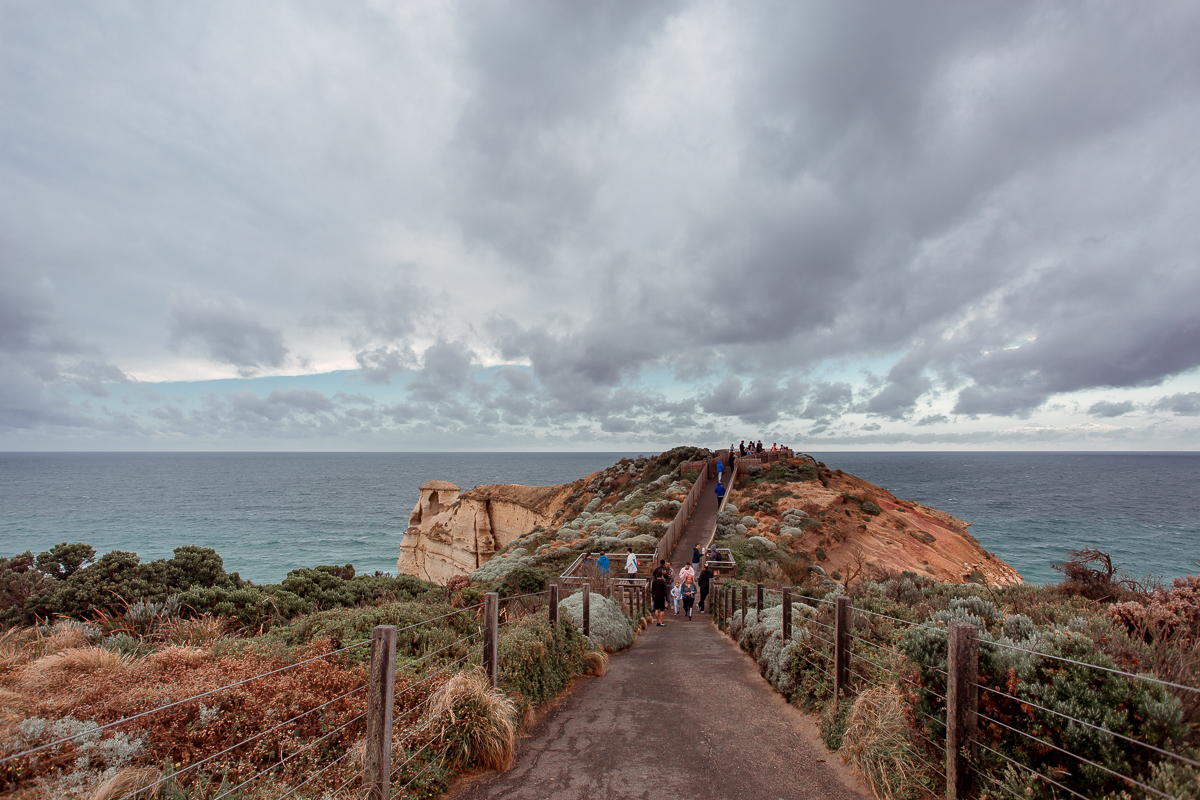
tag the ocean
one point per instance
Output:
(268, 513)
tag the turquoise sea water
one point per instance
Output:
(267, 513)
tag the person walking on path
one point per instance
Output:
(705, 581)
(631, 565)
(676, 596)
(720, 493)
(688, 590)
(720, 469)
(658, 594)
(602, 565)
(696, 556)
(685, 572)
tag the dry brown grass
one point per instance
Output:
(63, 636)
(597, 663)
(176, 657)
(197, 632)
(17, 646)
(877, 744)
(477, 725)
(82, 659)
(136, 783)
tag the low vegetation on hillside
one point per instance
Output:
(1089, 629)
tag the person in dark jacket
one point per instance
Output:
(658, 594)
(705, 581)
(696, 556)
(720, 490)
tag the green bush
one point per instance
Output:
(523, 580)
(538, 661)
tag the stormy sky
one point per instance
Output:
(599, 226)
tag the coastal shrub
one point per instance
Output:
(1112, 702)
(523, 580)
(64, 560)
(496, 568)
(342, 627)
(538, 661)
(789, 471)
(20, 581)
(870, 508)
(1089, 573)
(610, 628)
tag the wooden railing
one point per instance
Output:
(671, 538)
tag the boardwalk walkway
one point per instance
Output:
(683, 714)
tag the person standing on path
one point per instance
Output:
(696, 555)
(705, 581)
(688, 590)
(676, 596)
(720, 493)
(631, 565)
(602, 565)
(658, 594)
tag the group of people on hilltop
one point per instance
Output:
(684, 589)
(754, 448)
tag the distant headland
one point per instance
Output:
(785, 511)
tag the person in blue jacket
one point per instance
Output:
(720, 493)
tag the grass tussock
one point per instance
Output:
(877, 744)
(134, 783)
(477, 725)
(66, 635)
(177, 657)
(197, 632)
(597, 663)
(16, 644)
(82, 659)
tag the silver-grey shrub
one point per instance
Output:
(610, 629)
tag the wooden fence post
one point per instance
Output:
(787, 613)
(377, 768)
(745, 601)
(491, 616)
(732, 605)
(554, 605)
(962, 698)
(629, 597)
(841, 649)
(760, 599)
(587, 609)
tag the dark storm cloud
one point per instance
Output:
(760, 403)
(41, 359)
(827, 400)
(228, 332)
(445, 371)
(542, 73)
(383, 363)
(1184, 403)
(995, 201)
(1107, 408)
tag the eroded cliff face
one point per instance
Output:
(849, 541)
(452, 532)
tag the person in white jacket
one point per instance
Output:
(631, 563)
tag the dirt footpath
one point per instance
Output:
(683, 714)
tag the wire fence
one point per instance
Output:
(322, 746)
(1007, 716)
